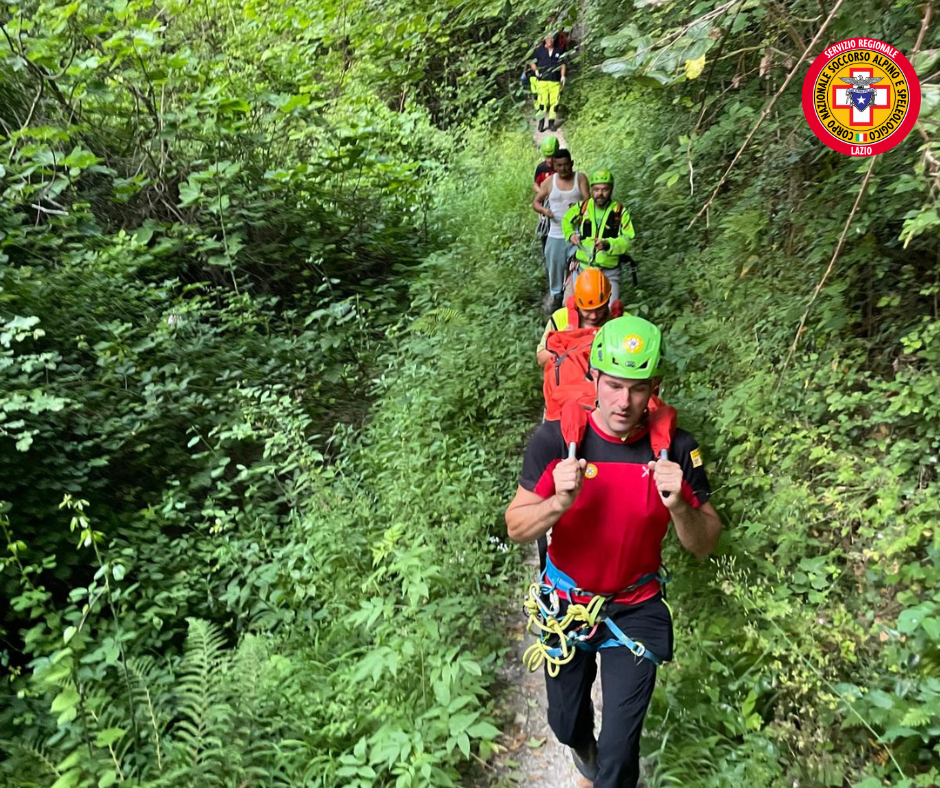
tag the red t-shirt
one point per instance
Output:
(542, 171)
(613, 534)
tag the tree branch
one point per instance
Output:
(832, 263)
(41, 73)
(928, 12)
(766, 112)
(711, 69)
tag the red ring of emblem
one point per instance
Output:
(848, 148)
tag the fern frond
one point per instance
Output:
(27, 762)
(916, 717)
(202, 707)
(430, 322)
(143, 677)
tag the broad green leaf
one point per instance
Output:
(932, 627)
(463, 742)
(880, 699)
(108, 779)
(189, 193)
(930, 100)
(68, 779)
(67, 699)
(911, 618)
(234, 106)
(108, 736)
(483, 730)
(294, 102)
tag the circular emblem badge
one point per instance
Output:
(861, 97)
(633, 344)
(590, 471)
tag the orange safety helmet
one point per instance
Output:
(592, 290)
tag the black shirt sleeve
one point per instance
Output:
(542, 167)
(686, 451)
(545, 448)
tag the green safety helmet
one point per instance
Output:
(628, 347)
(602, 176)
(549, 146)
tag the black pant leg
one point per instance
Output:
(570, 711)
(627, 683)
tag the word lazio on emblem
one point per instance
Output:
(861, 97)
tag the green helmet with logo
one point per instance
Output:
(602, 176)
(549, 146)
(628, 347)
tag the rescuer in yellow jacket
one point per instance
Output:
(601, 231)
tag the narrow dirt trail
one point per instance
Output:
(533, 756)
(538, 136)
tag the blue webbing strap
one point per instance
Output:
(620, 639)
(555, 581)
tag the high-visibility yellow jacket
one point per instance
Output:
(613, 225)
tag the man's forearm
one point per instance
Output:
(527, 522)
(698, 531)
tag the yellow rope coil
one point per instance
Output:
(544, 624)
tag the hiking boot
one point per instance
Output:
(585, 760)
(551, 124)
(542, 124)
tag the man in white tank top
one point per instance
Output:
(562, 190)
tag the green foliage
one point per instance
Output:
(262, 393)
(812, 657)
(354, 600)
(213, 221)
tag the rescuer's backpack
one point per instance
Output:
(567, 375)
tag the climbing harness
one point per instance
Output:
(580, 622)
(624, 259)
(573, 265)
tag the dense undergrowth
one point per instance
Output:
(809, 651)
(253, 441)
(267, 321)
